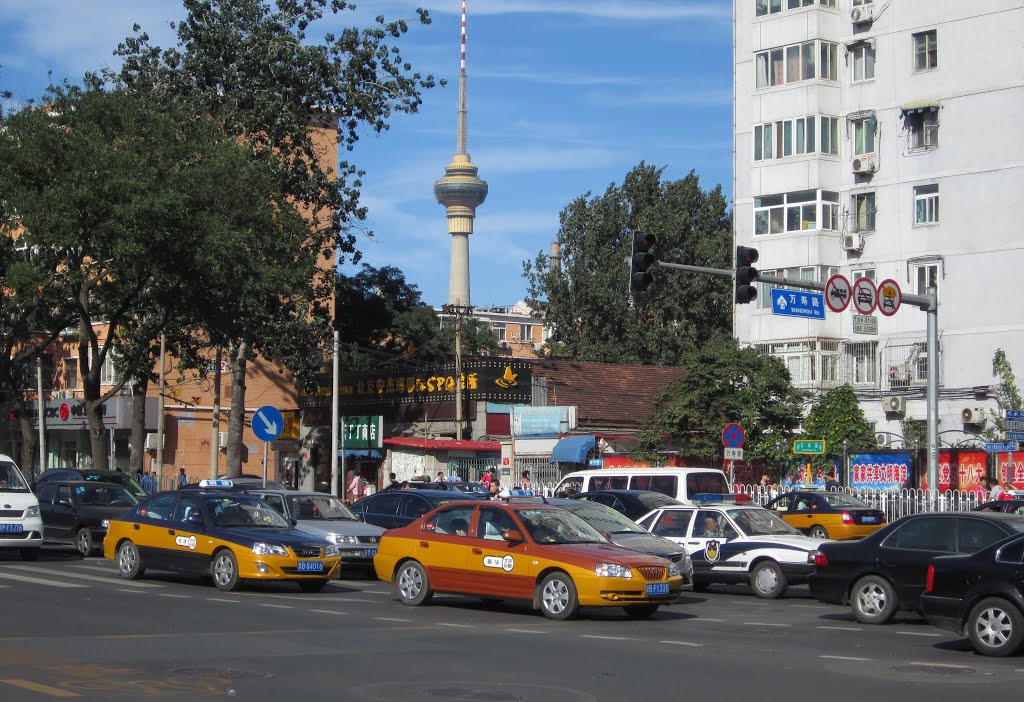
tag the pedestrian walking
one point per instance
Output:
(149, 483)
(357, 487)
(488, 477)
(182, 478)
(996, 492)
(526, 483)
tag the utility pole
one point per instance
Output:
(215, 423)
(335, 417)
(160, 416)
(41, 407)
(458, 311)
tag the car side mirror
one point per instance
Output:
(293, 521)
(512, 536)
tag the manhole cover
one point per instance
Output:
(933, 669)
(472, 693)
(229, 673)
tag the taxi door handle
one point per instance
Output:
(135, 527)
(424, 544)
(171, 532)
(477, 552)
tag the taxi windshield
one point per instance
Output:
(318, 507)
(557, 526)
(230, 511)
(100, 494)
(470, 488)
(11, 478)
(759, 522)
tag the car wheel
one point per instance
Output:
(995, 627)
(312, 585)
(412, 584)
(224, 570)
(129, 562)
(558, 599)
(873, 600)
(641, 611)
(83, 542)
(30, 554)
(819, 532)
(768, 580)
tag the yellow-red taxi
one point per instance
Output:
(828, 514)
(219, 531)
(523, 549)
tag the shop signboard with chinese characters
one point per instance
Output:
(364, 432)
(880, 471)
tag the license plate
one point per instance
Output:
(310, 567)
(11, 528)
(869, 520)
(656, 589)
(369, 552)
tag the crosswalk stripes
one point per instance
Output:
(36, 581)
(82, 576)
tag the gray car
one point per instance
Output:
(623, 531)
(326, 516)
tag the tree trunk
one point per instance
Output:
(137, 442)
(97, 435)
(239, 354)
(29, 443)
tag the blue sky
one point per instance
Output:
(565, 97)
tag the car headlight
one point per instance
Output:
(32, 511)
(612, 570)
(673, 569)
(340, 539)
(330, 550)
(104, 523)
(262, 549)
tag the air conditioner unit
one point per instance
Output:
(896, 404)
(973, 415)
(882, 440)
(853, 242)
(862, 14)
(865, 163)
(222, 440)
(151, 441)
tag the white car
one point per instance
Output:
(730, 543)
(20, 524)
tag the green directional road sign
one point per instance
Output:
(808, 447)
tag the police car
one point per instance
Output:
(734, 543)
(218, 530)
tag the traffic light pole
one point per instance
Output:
(928, 303)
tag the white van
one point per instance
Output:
(20, 525)
(679, 483)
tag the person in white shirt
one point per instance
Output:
(997, 492)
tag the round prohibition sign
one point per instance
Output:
(890, 297)
(837, 293)
(865, 295)
(733, 436)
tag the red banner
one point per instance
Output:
(1011, 476)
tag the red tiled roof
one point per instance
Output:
(443, 444)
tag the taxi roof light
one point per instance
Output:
(216, 483)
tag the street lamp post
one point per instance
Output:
(458, 312)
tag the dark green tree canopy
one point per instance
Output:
(724, 383)
(837, 418)
(587, 298)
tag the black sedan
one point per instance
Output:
(886, 571)
(78, 511)
(1015, 506)
(980, 597)
(130, 484)
(632, 503)
(395, 508)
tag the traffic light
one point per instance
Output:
(639, 277)
(746, 274)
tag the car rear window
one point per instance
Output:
(665, 484)
(711, 483)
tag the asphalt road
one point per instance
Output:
(71, 629)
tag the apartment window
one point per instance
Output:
(926, 204)
(765, 7)
(868, 273)
(791, 137)
(926, 51)
(923, 126)
(864, 361)
(863, 205)
(526, 333)
(498, 329)
(858, 3)
(789, 64)
(829, 210)
(829, 135)
(71, 373)
(771, 7)
(797, 211)
(863, 60)
(924, 276)
(864, 136)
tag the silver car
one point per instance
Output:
(326, 516)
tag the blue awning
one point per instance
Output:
(572, 449)
(366, 454)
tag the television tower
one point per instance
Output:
(460, 191)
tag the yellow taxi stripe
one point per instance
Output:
(39, 687)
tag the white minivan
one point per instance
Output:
(20, 524)
(679, 483)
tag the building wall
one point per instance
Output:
(978, 165)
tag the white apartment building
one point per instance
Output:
(885, 139)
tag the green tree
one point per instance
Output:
(724, 383)
(587, 298)
(838, 420)
(1007, 396)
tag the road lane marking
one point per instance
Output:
(39, 687)
(708, 619)
(219, 599)
(940, 665)
(764, 624)
(842, 628)
(391, 619)
(264, 604)
(811, 606)
(917, 633)
(169, 594)
(83, 576)
(526, 631)
(137, 636)
(846, 658)
(607, 638)
(460, 626)
(376, 592)
(38, 581)
(326, 611)
(123, 589)
(682, 643)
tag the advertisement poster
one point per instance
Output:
(1012, 475)
(971, 467)
(807, 474)
(880, 471)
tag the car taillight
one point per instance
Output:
(820, 560)
(847, 518)
(929, 582)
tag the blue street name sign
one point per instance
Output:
(1002, 448)
(798, 303)
(1013, 414)
(1013, 436)
(267, 423)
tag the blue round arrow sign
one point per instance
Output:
(267, 423)
(733, 436)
